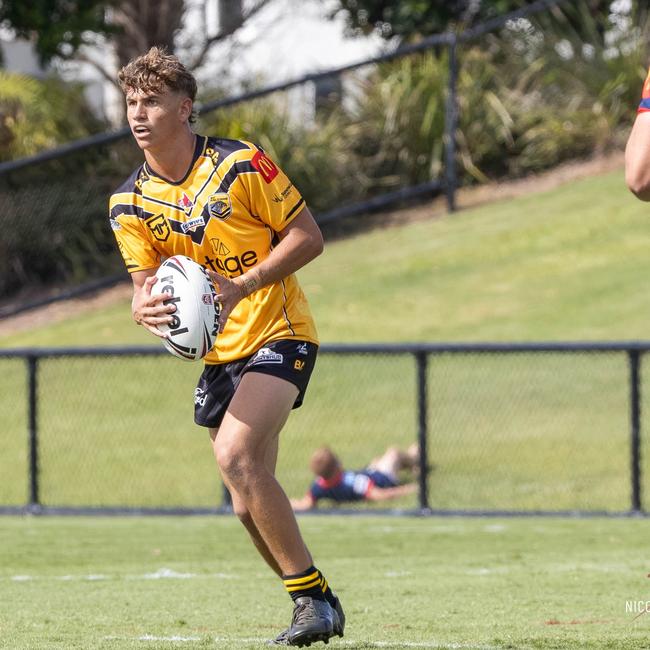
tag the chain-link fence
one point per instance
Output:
(525, 428)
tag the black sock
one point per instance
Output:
(307, 583)
(327, 592)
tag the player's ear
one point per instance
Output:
(185, 109)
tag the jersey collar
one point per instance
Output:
(199, 146)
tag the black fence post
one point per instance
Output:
(423, 412)
(32, 414)
(634, 357)
(451, 120)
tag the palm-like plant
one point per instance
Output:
(37, 115)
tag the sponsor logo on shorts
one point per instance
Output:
(192, 225)
(302, 349)
(266, 355)
(298, 364)
(200, 396)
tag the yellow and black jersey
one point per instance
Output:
(224, 214)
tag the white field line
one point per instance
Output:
(161, 574)
(434, 645)
(219, 640)
(177, 639)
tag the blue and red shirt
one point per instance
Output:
(349, 485)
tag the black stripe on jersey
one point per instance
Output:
(284, 311)
(129, 185)
(208, 180)
(239, 167)
(167, 205)
(129, 209)
(177, 227)
(225, 146)
(295, 207)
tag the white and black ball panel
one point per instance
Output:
(193, 330)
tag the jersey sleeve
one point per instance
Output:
(644, 106)
(273, 197)
(134, 245)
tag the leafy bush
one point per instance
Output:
(40, 114)
(535, 94)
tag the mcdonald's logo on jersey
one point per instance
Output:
(159, 227)
(265, 166)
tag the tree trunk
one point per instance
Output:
(231, 15)
(145, 23)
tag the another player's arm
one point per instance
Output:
(300, 242)
(376, 493)
(149, 310)
(304, 503)
(637, 157)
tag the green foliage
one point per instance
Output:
(399, 115)
(316, 154)
(409, 19)
(57, 27)
(37, 115)
(536, 94)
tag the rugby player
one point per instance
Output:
(228, 206)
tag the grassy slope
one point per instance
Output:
(566, 264)
(454, 583)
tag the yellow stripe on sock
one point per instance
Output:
(309, 585)
(323, 584)
(298, 581)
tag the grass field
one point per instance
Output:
(405, 583)
(506, 432)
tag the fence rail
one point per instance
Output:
(509, 428)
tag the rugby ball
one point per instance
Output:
(195, 323)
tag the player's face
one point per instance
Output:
(156, 118)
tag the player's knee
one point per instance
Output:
(392, 454)
(242, 513)
(234, 463)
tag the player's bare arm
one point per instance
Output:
(148, 310)
(637, 157)
(300, 242)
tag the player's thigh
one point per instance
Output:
(258, 411)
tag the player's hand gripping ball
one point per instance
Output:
(195, 323)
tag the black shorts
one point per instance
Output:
(289, 359)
